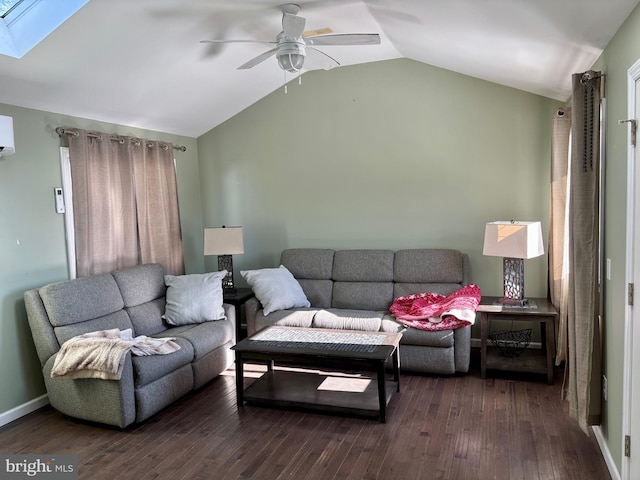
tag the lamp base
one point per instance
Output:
(225, 262)
(513, 273)
(512, 302)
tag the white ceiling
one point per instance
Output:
(140, 63)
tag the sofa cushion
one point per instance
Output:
(148, 368)
(141, 284)
(390, 325)
(404, 289)
(428, 266)
(308, 263)
(363, 266)
(295, 317)
(276, 289)
(195, 298)
(318, 292)
(146, 318)
(119, 320)
(341, 319)
(81, 299)
(362, 295)
(204, 337)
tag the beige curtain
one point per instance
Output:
(125, 203)
(575, 246)
(157, 205)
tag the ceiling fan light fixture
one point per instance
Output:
(290, 53)
(291, 62)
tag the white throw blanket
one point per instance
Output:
(101, 354)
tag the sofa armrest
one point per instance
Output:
(251, 309)
(42, 332)
(230, 312)
(462, 348)
(111, 402)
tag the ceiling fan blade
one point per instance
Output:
(292, 25)
(344, 39)
(259, 59)
(317, 31)
(264, 42)
(321, 59)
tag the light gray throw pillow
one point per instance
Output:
(276, 289)
(194, 298)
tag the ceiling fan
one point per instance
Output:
(293, 44)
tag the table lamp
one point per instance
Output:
(514, 241)
(224, 242)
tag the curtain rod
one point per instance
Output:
(69, 131)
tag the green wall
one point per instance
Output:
(395, 154)
(621, 53)
(32, 238)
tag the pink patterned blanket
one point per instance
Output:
(433, 311)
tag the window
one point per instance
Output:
(126, 211)
(25, 23)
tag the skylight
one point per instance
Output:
(24, 23)
(6, 6)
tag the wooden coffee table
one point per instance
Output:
(335, 350)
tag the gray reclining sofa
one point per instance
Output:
(131, 298)
(353, 289)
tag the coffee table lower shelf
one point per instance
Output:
(318, 392)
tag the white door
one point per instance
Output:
(631, 416)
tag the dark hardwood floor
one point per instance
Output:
(459, 427)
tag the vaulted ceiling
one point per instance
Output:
(140, 63)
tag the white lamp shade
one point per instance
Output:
(223, 241)
(7, 143)
(513, 239)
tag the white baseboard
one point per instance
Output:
(606, 453)
(24, 409)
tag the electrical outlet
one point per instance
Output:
(604, 387)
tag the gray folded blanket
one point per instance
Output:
(101, 354)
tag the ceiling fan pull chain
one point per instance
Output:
(285, 82)
(299, 77)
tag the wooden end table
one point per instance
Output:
(238, 297)
(531, 360)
